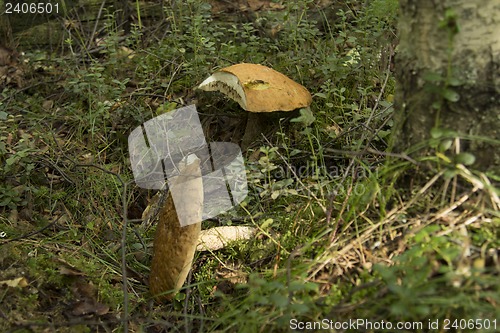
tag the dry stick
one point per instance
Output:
(344, 204)
(372, 113)
(446, 211)
(390, 216)
(345, 249)
(370, 151)
(172, 76)
(395, 212)
(420, 192)
(50, 163)
(31, 233)
(495, 200)
(95, 25)
(455, 177)
(124, 261)
(468, 221)
(454, 206)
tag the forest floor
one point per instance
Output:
(347, 230)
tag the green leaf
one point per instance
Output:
(451, 95)
(306, 117)
(266, 224)
(278, 300)
(300, 308)
(321, 95)
(437, 132)
(445, 145)
(436, 105)
(433, 77)
(454, 82)
(385, 104)
(180, 296)
(465, 158)
(448, 174)
(12, 160)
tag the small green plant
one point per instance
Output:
(269, 304)
(17, 169)
(434, 279)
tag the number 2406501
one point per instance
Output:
(31, 8)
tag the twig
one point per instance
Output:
(292, 255)
(370, 151)
(124, 255)
(32, 233)
(95, 25)
(344, 204)
(372, 113)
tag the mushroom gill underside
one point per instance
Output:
(227, 84)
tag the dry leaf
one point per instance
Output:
(63, 270)
(19, 282)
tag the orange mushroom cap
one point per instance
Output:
(258, 88)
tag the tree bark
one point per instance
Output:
(448, 73)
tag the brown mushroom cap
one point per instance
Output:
(258, 88)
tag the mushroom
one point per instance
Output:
(174, 245)
(257, 88)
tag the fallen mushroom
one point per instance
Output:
(219, 237)
(257, 88)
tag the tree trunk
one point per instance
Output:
(448, 72)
